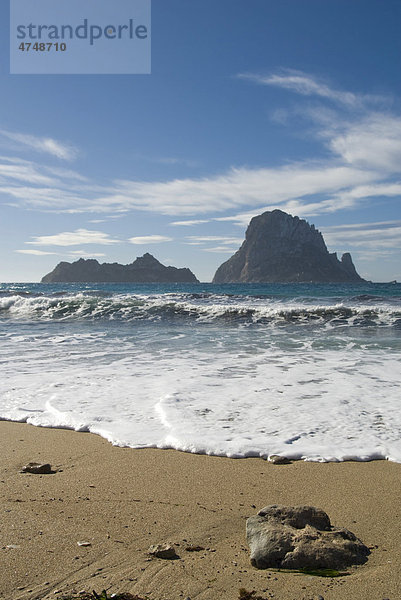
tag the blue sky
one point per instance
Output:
(251, 105)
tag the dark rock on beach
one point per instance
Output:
(301, 537)
(145, 269)
(280, 248)
(38, 468)
(276, 459)
(166, 551)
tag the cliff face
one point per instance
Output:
(145, 269)
(282, 248)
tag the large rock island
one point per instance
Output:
(280, 248)
(145, 269)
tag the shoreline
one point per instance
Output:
(123, 500)
(376, 457)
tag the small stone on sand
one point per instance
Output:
(276, 459)
(163, 551)
(37, 468)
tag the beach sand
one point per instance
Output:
(123, 500)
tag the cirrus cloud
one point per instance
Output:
(45, 145)
(150, 239)
(362, 158)
(34, 252)
(73, 238)
(308, 85)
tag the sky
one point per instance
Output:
(251, 105)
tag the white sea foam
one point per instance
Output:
(210, 389)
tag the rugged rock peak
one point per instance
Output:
(146, 260)
(281, 248)
(348, 265)
(145, 269)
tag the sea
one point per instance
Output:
(306, 371)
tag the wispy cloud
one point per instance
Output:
(34, 252)
(215, 238)
(190, 223)
(237, 187)
(242, 187)
(167, 160)
(84, 254)
(219, 250)
(374, 237)
(361, 145)
(227, 244)
(365, 138)
(106, 219)
(66, 173)
(342, 200)
(45, 145)
(150, 239)
(373, 143)
(66, 254)
(365, 226)
(307, 85)
(17, 171)
(73, 238)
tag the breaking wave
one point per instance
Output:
(356, 311)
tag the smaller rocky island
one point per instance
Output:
(145, 269)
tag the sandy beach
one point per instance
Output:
(122, 500)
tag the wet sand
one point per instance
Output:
(122, 500)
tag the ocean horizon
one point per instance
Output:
(306, 371)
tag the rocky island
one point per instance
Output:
(145, 269)
(280, 248)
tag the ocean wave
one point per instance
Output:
(199, 308)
